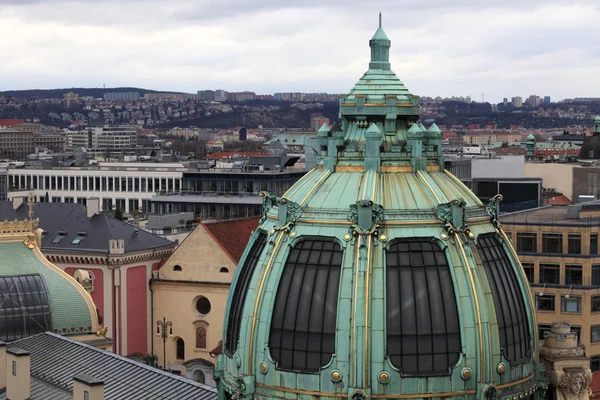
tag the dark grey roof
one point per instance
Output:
(55, 360)
(72, 218)
(590, 150)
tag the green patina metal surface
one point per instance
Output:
(70, 314)
(380, 177)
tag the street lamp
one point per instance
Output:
(161, 331)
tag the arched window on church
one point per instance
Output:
(199, 376)
(201, 337)
(180, 349)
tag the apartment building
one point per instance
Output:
(558, 248)
(103, 138)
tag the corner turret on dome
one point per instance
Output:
(380, 49)
(530, 146)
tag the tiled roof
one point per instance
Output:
(595, 384)
(72, 219)
(68, 308)
(55, 360)
(232, 235)
(11, 122)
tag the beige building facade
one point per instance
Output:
(191, 288)
(558, 248)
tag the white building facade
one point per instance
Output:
(123, 186)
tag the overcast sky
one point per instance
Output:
(439, 47)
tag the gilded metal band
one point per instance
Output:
(298, 182)
(429, 186)
(349, 168)
(423, 395)
(367, 305)
(300, 391)
(258, 296)
(515, 383)
(393, 168)
(375, 105)
(374, 186)
(316, 185)
(356, 261)
(321, 221)
(535, 337)
(476, 297)
(464, 187)
(432, 168)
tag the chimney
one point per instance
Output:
(18, 379)
(116, 246)
(86, 387)
(2, 366)
(17, 201)
(93, 207)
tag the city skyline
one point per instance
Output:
(448, 48)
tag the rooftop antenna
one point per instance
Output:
(380, 20)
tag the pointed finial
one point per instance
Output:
(380, 20)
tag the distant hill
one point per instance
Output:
(58, 93)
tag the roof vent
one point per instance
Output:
(136, 231)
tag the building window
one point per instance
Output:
(543, 328)
(203, 305)
(236, 307)
(526, 242)
(593, 243)
(14, 368)
(552, 243)
(574, 243)
(577, 331)
(529, 270)
(510, 308)
(570, 304)
(573, 275)
(201, 337)
(60, 236)
(223, 270)
(595, 304)
(545, 303)
(198, 376)
(550, 273)
(595, 363)
(177, 268)
(180, 349)
(595, 333)
(86, 395)
(419, 287)
(302, 334)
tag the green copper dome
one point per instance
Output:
(379, 275)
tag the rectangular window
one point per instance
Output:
(570, 304)
(547, 302)
(526, 242)
(595, 303)
(595, 333)
(573, 275)
(574, 243)
(552, 243)
(577, 331)
(543, 328)
(593, 243)
(528, 268)
(595, 363)
(596, 275)
(550, 273)
(14, 368)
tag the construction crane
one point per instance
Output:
(483, 96)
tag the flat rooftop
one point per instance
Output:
(551, 215)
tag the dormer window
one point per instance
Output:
(60, 236)
(80, 236)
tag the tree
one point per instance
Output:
(119, 214)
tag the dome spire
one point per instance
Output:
(380, 49)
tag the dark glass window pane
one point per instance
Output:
(574, 243)
(239, 294)
(543, 328)
(596, 303)
(423, 336)
(529, 268)
(302, 336)
(25, 309)
(573, 275)
(508, 299)
(547, 302)
(593, 243)
(552, 243)
(550, 273)
(596, 275)
(526, 242)
(595, 363)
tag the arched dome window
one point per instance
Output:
(224, 270)
(177, 268)
(198, 376)
(423, 330)
(303, 326)
(508, 299)
(180, 349)
(240, 292)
